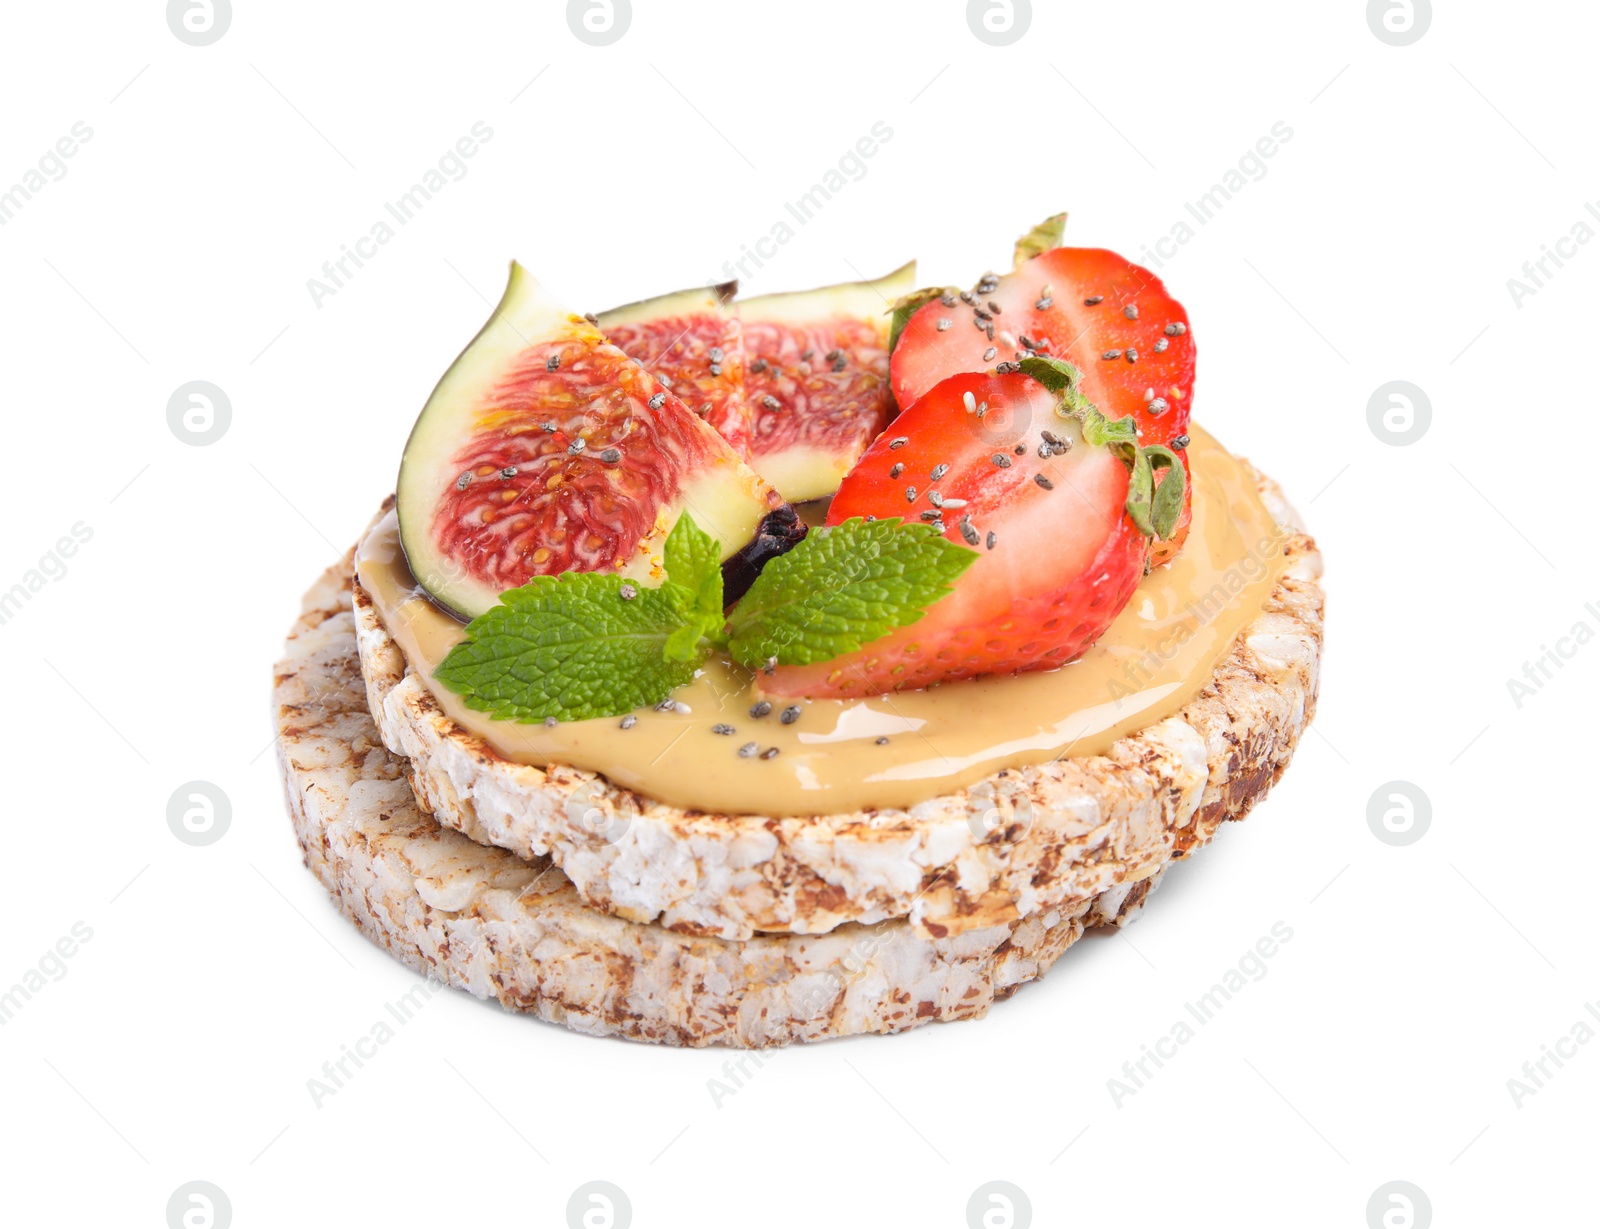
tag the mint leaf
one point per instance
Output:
(694, 562)
(843, 587)
(571, 647)
(1040, 239)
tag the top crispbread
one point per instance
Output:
(1096, 821)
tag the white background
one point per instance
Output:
(1376, 247)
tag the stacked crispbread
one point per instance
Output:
(697, 929)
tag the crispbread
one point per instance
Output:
(1096, 822)
(483, 920)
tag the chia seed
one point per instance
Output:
(1180, 443)
(748, 750)
(1111, 354)
(627, 593)
(550, 723)
(939, 471)
(882, 740)
(760, 708)
(463, 482)
(1044, 305)
(771, 753)
(715, 354)
(1176, 329)
(942, 325)
(509, 471)
(1133, 355)
(898, 441)
(656, 402)
(991, 540)
(839, 364)
(722, 728)
(1131, 312)
(716, 369)
(911, 494)
(790, 715)
(1158, 406)
(577, 446)
(1001, 460)
(805, 355)
(1093, 300)
(1044, 482)
(1161, 345)
(897, 469)
(936, 499)
(628, 722)
(552, 363)
(549, 428)
(611, 456)
(988, 355)
(969, 532)
(769, 402)
(947, 300)
(1005, 369)
(932, 514)
(759, 365)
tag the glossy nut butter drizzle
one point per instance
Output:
(1158, 654)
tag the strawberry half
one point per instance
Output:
(992, 462)
(1113, 319)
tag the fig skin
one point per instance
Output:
(779, 532)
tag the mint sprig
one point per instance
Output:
(1154, 507)
(570, 647)
(843, 587)
(584, 644)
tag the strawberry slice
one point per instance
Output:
(993, 462)
(1113, 319)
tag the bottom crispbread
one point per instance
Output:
(497, 926)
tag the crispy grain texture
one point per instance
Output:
(484, 920)
(1066, 831)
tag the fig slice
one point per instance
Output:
(817, 379)
(691, 342)
(545, 449)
